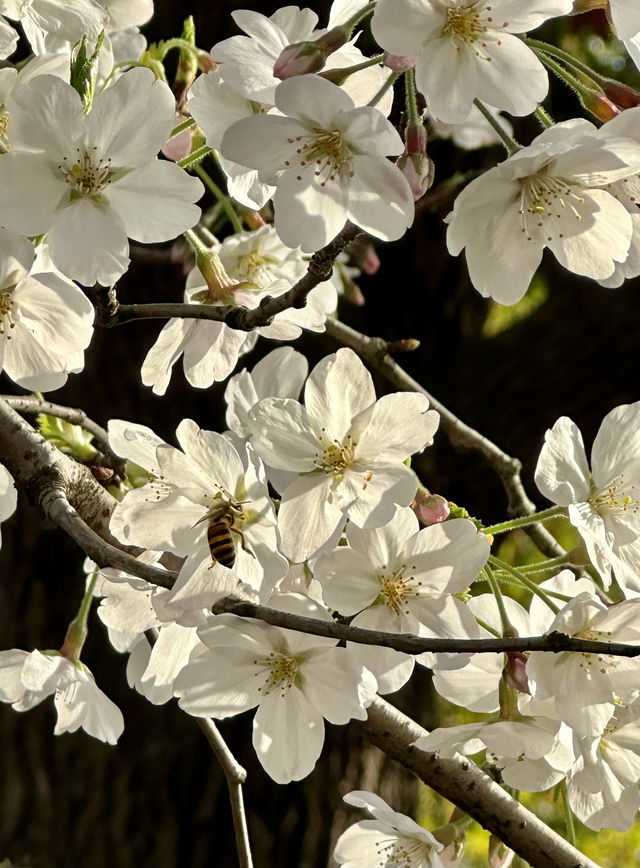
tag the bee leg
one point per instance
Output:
(244, 544)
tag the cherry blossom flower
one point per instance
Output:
(603, 784)
(256, 264)
(208, 479)
(46, 322)
(401, 580)
(389, 836)
(468, 50)
(586, 686)
(28, 678)
(546, 195)
(8, 495)
(297, 681)
(602, 503)
(90, 180)
(326, 159)
(280, 374)
(346, 448)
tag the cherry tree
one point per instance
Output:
(296, 558)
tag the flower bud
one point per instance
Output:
(621, 94)
(179, 146)
(414, 164)
(363, 255)
(515, 672)
(399, 62)
(84, 70)
(301, 58)
(598, 104)
(430, 508)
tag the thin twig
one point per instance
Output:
(375, 351)
(409, 644)
(463, 783)
(235, 776)
(319, 269)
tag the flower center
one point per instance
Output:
(87, 176)
(616, 497)
(336, 457)
(396, 589)
(6, 304)
(403, 852)
(463, 25)
(281, 671)
(545, 198)
(252, 266)
(327, 151)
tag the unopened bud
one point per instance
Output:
(363, 255)
(301, 58)
(515, 672)
(400, 62)
(179, 146)
(84, 70)
(430, 508)
(598, 104)
(499, 855)
(622, 95)
(404, 345)
(254, 219)
(414, 164)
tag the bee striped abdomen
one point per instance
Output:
(221, 543)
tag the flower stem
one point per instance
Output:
(385, 87)
(524, 580)
(568, 814)
(182, 44)
(191, 160)
(357, 18)
(542, 566)
(510, 144)
(224, 200)
(546, 121)
(181, 127)
(578, 65)
(524, 520)
(77, 630)
(411, 101)
(507, 626)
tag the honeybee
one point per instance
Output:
(220, 532)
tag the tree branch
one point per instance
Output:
(319, 269)
(407, 643)
(375, 351)
(32, 405)
(66, 491)
(463, 783)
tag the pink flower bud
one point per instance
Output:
(621, 94)
(515, 672)
(363, 255)
(430, 508)
(179, 146)
(299, 59)
(399, 62)
(598, 104)
(419, 170)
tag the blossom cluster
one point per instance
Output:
(309, 503)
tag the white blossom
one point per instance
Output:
(346, 448)
(89, 181)
(327, 160)
(546, 195)
(46, 322)
(49, 25)
(401, 579)
(389, 836)
(28, 678)
(467, 50)
(603, 502)
(297, 681)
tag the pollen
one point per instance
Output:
(327, 152)
(466, 26)
(280, 672)
(617, 496)
(87, 175)
(6, 304)
(544, 200)
(397, 588)
(403, 852)
(336, 456)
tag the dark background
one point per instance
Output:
(158, 799)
